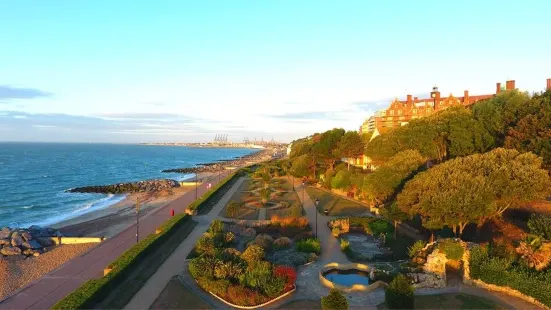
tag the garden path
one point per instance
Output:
(145, 297)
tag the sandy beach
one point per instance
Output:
(115, 218)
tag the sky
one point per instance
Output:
(184, 71)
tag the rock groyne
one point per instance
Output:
(132, 187)
(28, 242)
(221, 163)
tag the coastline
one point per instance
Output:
(109, 221)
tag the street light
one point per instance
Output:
(137, 218)
(317, 203)
(195, 182)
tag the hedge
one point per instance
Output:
(502, 272)
(95, 290)
(200, 202)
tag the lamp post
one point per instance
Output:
(317, 203)
(137, 219)
(195, 182)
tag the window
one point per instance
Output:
(391, 112)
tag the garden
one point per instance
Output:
(263, 196)
(249, 266)
(369, 239)
(334, 204)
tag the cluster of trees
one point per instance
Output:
(511, 119)
(489, 158)
(474, 188)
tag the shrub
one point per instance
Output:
(233, 208)
(362, 223)
(399, 293)
(258, 273)
(265, 241)
(378, 227)
(202, 266)
(228, 269)
(229, 238)
(501, 271)
(417, 247)
(253, 253)
(310, 245)
(230, 254)
(298, 222)
(205, 245)
(453, 249)
(287, 273)
(274, 286)
(216, 227)
(282, 243)
(241, 295)
(303, 235)
(218, 287)
(345, 245)
(540, 225)
(334, 301)
(291, 258)
(336, 231)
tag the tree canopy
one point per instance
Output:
(473, 188)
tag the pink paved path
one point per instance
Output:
(48, 290)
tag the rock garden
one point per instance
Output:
(26, 242)
(364, 239)
(249, 266)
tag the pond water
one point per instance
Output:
(347, 277)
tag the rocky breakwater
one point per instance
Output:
(28, 242)
(133, 187)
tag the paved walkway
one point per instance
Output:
(330, 247)
(48, 290)
(145, 297)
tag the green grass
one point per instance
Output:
(204, 204)
(337, 206)
(177, 296)
(451, 301)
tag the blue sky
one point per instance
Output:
(136, 71)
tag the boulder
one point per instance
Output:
(58, 234)
(5, 233)
(5, 242)
(27, 236)
(31, 244)
(10, 250)
(44, 241)
(16, 239)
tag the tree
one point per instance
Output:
(341, 180)
(473, 188)
(532, 133)
(334, 301)
(351, 145)
(395, 214)
(265, 195)
(540, 225)
(326, 147)
(399, 293)
(301, 166)
(384, 182)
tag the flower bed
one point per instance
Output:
(243, 279)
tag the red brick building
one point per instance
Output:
(401, 112)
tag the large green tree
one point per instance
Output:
(473, 188)
(326, 148)
(301, 166)
(384, 182)
(351, 145)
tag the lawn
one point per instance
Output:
(177, 296)
(451, 301)
(337, 206)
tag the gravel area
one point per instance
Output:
(16, 272)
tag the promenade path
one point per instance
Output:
(48, 290)
(145, 297)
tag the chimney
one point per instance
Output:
(548, 84)
(510, 85)
(409, 100)
(437, 101)
(466, 98)
(498, 88)
(416, 99)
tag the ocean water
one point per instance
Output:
(34, 176)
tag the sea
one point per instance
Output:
(34, 177)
